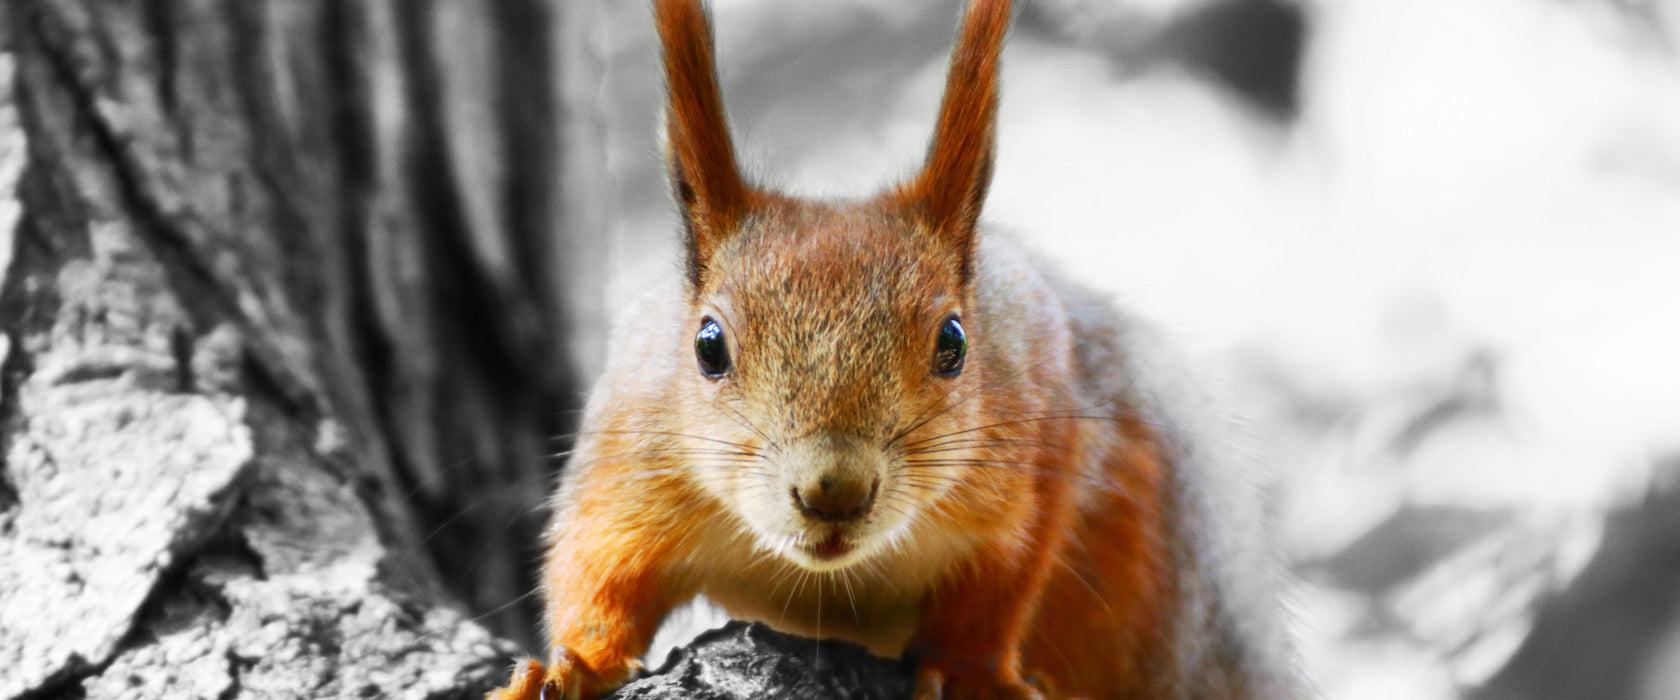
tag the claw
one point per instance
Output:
(523, 683)
(930, 685)
(566, 677)
(933, 685)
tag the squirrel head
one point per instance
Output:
(829, 336)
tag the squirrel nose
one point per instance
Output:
(833, 500)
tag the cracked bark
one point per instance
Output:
(279, 370)
(744, 661)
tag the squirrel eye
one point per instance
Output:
(950, 348)
(711, 350)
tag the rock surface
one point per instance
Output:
(742, 661)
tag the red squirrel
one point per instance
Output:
(878, 409)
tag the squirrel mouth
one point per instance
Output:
(832, 547)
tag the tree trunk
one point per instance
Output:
(284, 290)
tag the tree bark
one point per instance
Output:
(284, 360)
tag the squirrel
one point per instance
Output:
(879, 409)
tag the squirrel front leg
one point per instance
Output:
(971, 629)
(605, 593)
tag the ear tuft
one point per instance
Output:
(705, 178)
(951, 188)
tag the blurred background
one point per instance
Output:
(1436, 242)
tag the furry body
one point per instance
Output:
(1034, 513)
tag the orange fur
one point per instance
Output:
(953, 182)
(1016, 523)
(707, 182)
(1113, 586)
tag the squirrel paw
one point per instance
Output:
(565, 678)
(524, 684)
(933, 685)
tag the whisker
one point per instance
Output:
(742, 419)
(673, 451)
(669, 433)
(984, 387)
(1121, 420)
(799, 585)
(975, 462)
(957, 443)
(846, 579)
(435, 634)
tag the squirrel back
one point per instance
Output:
(874, 420)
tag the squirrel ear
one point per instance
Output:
(952, 185)
(708, 185)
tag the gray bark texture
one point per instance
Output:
(280, 362)
(744, 661)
